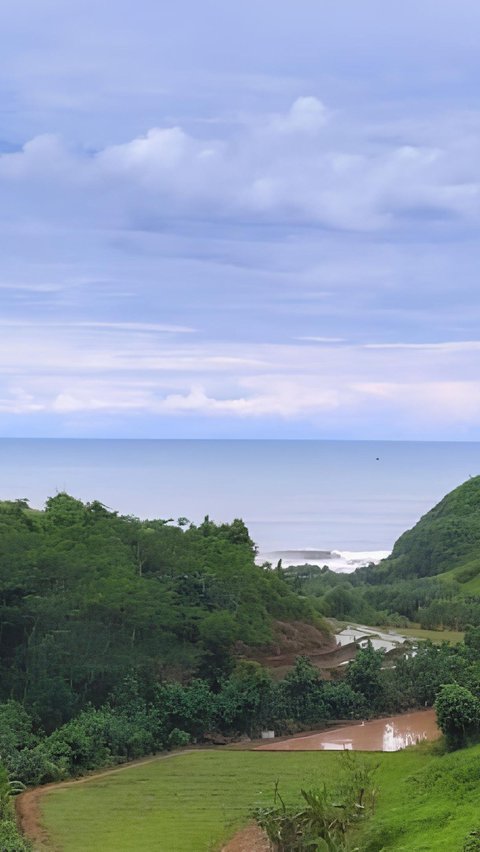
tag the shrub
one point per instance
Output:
(35, 766)
(323, 822)
(11, 839)
(178, 738)
(458, 714)
(472, 841)
(15, 728)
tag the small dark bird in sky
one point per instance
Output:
(377, 459)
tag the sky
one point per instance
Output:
(254, 219)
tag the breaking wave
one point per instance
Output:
(343, 561)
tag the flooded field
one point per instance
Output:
(389, 734)
(384, 641)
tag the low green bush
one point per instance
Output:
(326, 818)
(472, 841)
(178, 738)
(10, 838)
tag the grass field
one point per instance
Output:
(415, 632)
(436, 636)
(193, 802)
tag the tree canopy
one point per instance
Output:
(87, 595)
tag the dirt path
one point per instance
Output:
(27, 804)
(249, 839)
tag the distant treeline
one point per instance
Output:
(432, 602)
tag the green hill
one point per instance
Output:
(431, 578)
(446, 539)
(88, 596)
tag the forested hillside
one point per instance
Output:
(447, 537)
(432, 576)
(87, 596)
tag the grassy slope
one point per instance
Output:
(195, 801)
(467, 573)
(430, 809)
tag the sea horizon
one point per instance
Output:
(347, 497)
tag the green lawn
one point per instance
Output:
(436, 636)
(191, 803)
(416, 632)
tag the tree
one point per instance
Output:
(472, 641)
(64, 510)
(301, 693)
(458, 714)
(218, 632)
(245, 703)
(364, 675)
(339, 601)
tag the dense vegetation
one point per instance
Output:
(142, 718)
(87, 596)
(447, 536)
(119, 637)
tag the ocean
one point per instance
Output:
(349, 499)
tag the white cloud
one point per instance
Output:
(43, 158)
(306, 165)
(314, 339)
(108, 326)
(307, 115)
(439, 346)
(447, 402)
(83, 371)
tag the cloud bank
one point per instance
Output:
(135, 372)
(253, 221)
(304, 166)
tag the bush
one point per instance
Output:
(10, 838)
(15, 733)
(245, 703)
(343, 702)
(323, 822)
(35, 766)
(178, 738)
(78, 745)
(472, 841)
(458, 714)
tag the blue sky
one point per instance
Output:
(257, 219)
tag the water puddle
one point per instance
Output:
(389, 734)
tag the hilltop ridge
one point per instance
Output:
(445, 539)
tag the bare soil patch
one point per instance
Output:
(293, 639)
(249, 839)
